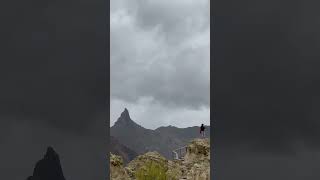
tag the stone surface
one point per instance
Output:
(195, 166)
(117, 171)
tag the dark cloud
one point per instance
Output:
(53, 62)
(266, 75)
(251, 165)
(53, 86)
(265, 88)
(174, 17)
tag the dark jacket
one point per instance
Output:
(202, 128)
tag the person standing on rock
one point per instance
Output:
(202, 128)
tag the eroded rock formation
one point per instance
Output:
(194, 166)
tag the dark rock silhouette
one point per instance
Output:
(48, 168)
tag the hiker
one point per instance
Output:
(202, 128)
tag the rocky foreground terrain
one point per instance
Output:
(195, 165)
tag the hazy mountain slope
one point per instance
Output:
(142, 140)
(182, 133)
(119, 149)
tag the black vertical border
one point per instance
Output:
(212, 95)
(107, 84)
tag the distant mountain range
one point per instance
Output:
(141, 140)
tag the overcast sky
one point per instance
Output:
(160, 61)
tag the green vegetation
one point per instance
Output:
(152, 171)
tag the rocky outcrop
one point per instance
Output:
(194, 166)
(117, 171)
(196, 162)
(142, 161)
(48, 168)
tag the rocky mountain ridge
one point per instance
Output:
(162, 139)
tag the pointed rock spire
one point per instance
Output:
(51, 154)
(125, 120)
(124, 117)
(125, 114)
(48, 168)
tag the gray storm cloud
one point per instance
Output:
(161, 50)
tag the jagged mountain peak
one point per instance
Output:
(125, 120)
(125, 114)
(51, 154)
